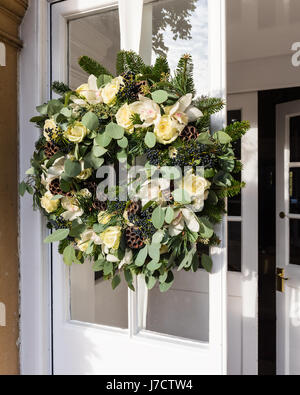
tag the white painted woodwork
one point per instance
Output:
(81, 348)
(261, 34)
(288, 303)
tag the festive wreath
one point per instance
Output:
(149, 116)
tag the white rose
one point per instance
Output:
(197, 188)
(86, 237)
(89, 91)
(55, 171)
(123, 118)
(111, 237)
(110, 91)
(73, 211)
(148, 110)
(154, 190)
(167, 130)
(76, 133)
(48, 204)
(50, 130)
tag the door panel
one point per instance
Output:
(131, 333)
(288, 237)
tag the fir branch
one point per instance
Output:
(60, 88)
(209, 105)
(160, 68)
(237, 130)
(183, 82)
(233, 190)
(130, 61)
(90, 66)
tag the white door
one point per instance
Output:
(288, 238)
(96, 330)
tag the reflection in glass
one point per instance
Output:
(92, 299)
(234, 246)
(295, 242)
(294, 190)
(295, 139)
(97, 36)
(180, 27)
(183, 311)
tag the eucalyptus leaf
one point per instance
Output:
(158, 217)
(99, 151)
(108, 268)
(115, 131)
(141, 257)
(207, 263)
(116, 281)
(222, 137)
(123, 143)
(103, 139)
(160, 96)
(150, 140)
(54, 107)
(153, 265)
(103, 80)
(154, 251)
(58, 235)
(170, 214)
(69, 256)
(164, 287)
(72, 168)
(151, 282)
(90, 121)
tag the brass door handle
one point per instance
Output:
(280, 277)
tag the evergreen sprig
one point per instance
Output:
(183, 81)
(233, 190)
(209, 105)
(237, 130)
(91, 66)
(60, 88)
(130, 61)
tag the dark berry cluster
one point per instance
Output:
(194, 153)
(130, 89)
(58, 223)
(116, 206)
(143, 221)
(54, 134)
(153, 156)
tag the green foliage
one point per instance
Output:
(183, 81)
(237, 130)
(130, 61)
(60, 88)
(90, 66)
(209, 105)
(160, 68)
(232, 190)
(58, 235)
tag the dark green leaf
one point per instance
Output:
(207, 262)
(116, 281)
(72, 168)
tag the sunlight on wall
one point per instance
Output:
(2, 55)
(2, 315)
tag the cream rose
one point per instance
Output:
(110, 91)
(148, 110)
(85, 174)
(85, 193)
(89, 91)
(166, 130)
(104, 218)
(86, 237)
(73, 211)
(76, 133)
(48, 204)
(197, 188)
(50, 129)
(123, 118)
(111, 237)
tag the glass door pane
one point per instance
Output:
(92, 298)
(178, 27)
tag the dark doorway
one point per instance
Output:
(267, 101)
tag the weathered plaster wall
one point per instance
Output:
(11, 14)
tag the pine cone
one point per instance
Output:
(100, 206)
(55, 188)
(142, 86)
(134, 208)
(51, 149)
(134, 238)
(189, 133)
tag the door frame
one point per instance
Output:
(36, 272)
